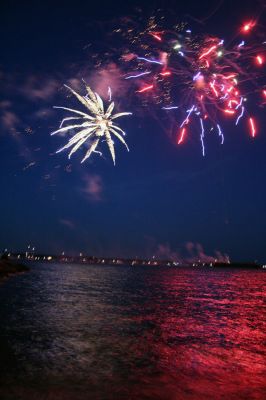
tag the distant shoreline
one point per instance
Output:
(136, 262)
(9, 268)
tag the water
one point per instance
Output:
(73, 332)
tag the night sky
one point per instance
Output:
(159, 199)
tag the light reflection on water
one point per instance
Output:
(93, 332)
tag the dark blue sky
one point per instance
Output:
(159, 197)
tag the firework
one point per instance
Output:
(201, 76)
(94, 127)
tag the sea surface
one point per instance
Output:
(74, 332)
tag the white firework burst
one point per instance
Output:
(97, 126)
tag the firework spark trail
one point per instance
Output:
(110, 93)
(183, 132)
(138, 75)
(212, 85)
(252, 127)
(166, 73)
(240, 103)
(207, 52)
(68, 119)
(202, 137)
(145, 89)
(188, 115)
(231, 112)
(240, 115)
(260, 60)
(150, 61)
(156, 36)
(220, 133)
(195, 77)
(170, 108)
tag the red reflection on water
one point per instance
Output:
(209, 337)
